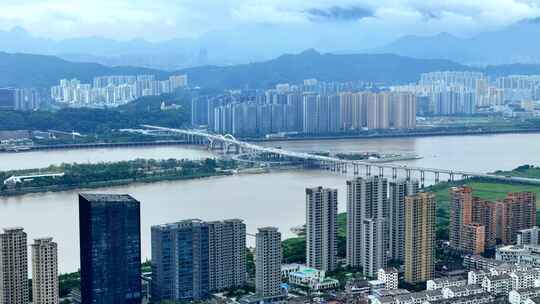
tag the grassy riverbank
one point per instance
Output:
(77, 176)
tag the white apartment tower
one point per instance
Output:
(45, 272)
(398, 190)
(321, 228)
(13, 266)
(227, 254)
(367, 224)
(268, 262)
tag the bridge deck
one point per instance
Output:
(228, 139)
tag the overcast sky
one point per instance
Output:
(157, 20)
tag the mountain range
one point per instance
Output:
(26, 70)
(515, 43)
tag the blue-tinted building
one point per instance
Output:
(110, 243)
(180, 261)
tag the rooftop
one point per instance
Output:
(107, 198)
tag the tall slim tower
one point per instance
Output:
(419, 237)
(367, 224)
(227, 254)
(268, 262)
(13, 266)
(110, 236)
(321, 228)
(398, 190)
(45, 272)
(460, 213)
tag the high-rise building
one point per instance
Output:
(268, 257)
(7, 98)
(517, 212)
(398, 190)
(367, 224)
(310, 118)
(13, 266)
(110, 238)
(473, 238)
(180, 261)
(227, 254)
(321, 228)
(420, 237)
(460, 213)
(45, 272)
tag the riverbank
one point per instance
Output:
(88, 176)
(398, 135)
(439, 133)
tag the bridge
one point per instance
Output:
(226, 142)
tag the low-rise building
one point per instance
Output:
(525, 279)
(520, 296)
(462, 291)
(420, 297)
(313, 279)
(519, 254)
(478, 262)
(482, 298)
(440, 283)
(497, 284)
(389, 276)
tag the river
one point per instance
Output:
(274, 199)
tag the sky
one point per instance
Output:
(158, 20)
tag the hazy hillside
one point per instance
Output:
(516, 43)
(25, 70)
(383, 68)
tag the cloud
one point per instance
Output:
(339, 13)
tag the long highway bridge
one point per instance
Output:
(228, 142)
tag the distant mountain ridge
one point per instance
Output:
(516, 43)
(26, 70)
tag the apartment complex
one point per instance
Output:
(367, 224)
(180, 261)
(13, 266)
(212, 257)
(268, 257)
(398, 190)
(305, 112)
(477, 224)
(110, 246)
(420, 218)
(45, 272)
(321, 228)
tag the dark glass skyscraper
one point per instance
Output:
(110, 236)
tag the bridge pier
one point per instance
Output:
(422, 178)
(437, 180)
(381, 171)
(355, 168)
(368, 170)
(408, 174)
(394, 173)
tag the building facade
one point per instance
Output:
(268, 257)
(321, 228)
(420, 221)
(13, 266)
(398, 190)
(180, 261)
(110, 245)
(45, 272)
(368, 224)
